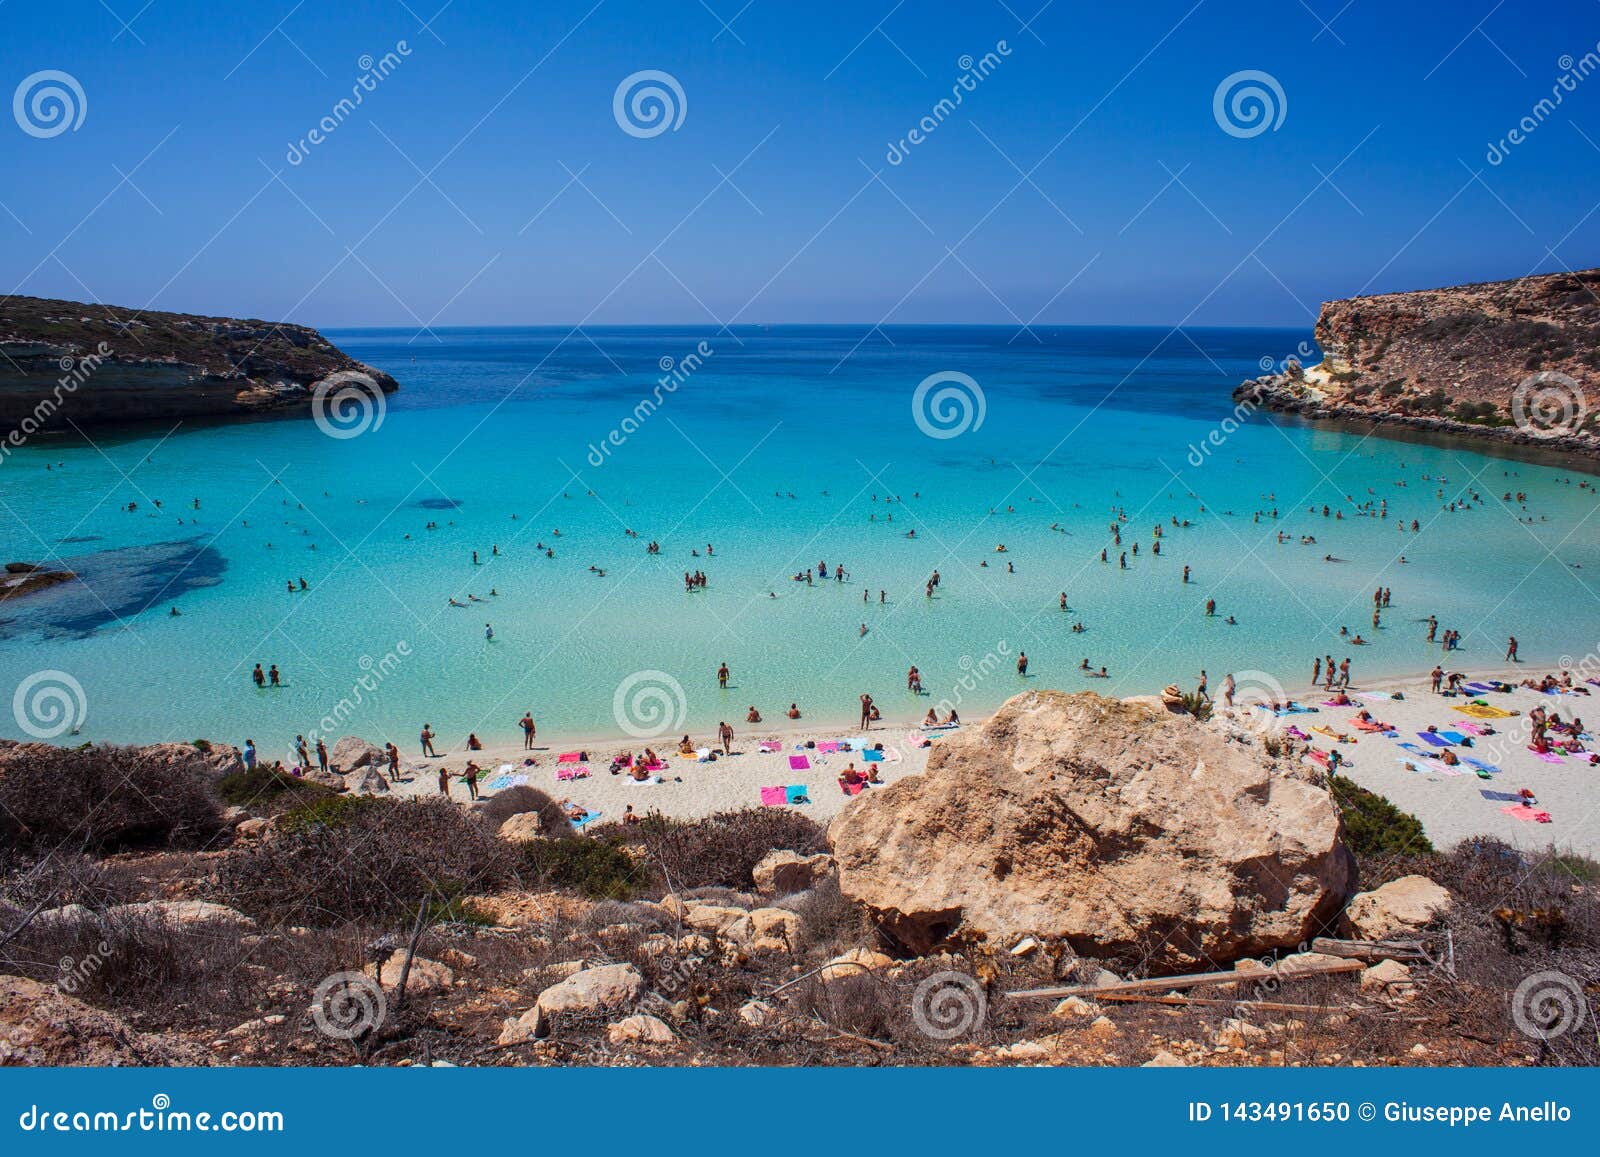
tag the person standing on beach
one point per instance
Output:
(1511, 649)
(444, 782)
(1437, 677)
(322, 754)
(301, 753)
(1327, 664)
(1200, 692)
(393, 753)
(1344, 673)
(725, 733)
(426, 739)
(1228, 686)
(866, 712)
(1316, 671)
(471, 776)
(722, 676)
(249, 754)
(529, 730)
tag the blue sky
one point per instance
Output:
(486, 180)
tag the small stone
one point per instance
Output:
(641, 1028)
(1163, 1060)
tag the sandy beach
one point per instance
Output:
(1449, 803)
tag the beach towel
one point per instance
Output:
(1522, 811)
(1318, 756)
(1456, 737)
(1428, 763)
(857, 743)
(498, 783)
(1480, 688)
(1334, 703)
(650, 782)
(768, 746)
(1492, 769)
(1547, 756)
(852, 788)
(797, 793)
(1291, 709)
(799, 763)
(1432, 739)
(1483, 711)
(589, 818)
(1296, 733)
(1499, 796)
(940, 726)
(566, 773)
(570, 757)
(872, 756)
(702, 754)
(656, 766)
(918, 740)
(827, 745)
(773, 797)
(1374, 725)
(1475, 729)
(1374, 695)
(1331, 734)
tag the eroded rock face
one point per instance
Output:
(1124, 832)
(607, 987)
(352, 753)
(783, 873)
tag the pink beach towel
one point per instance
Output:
(768, 746)
(774, 797)
(1521, 811)
(566, 773)
(570, 757)
(828, 745)
(799, 763)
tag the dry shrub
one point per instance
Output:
(105, 798)
(363, 858)
(723, 849)
(497, 809)
(598, 866)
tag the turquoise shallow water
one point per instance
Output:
(781, 450)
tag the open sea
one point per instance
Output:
(779, 449)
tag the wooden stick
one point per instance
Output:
(1265, 1005)
(1164, 983)
(1370, 949)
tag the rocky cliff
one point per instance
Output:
(67, 362)
(1511, 361)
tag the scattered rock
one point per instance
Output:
(783, 873)
(755, 1013)
(425, 976)
(184, 914)
(640, 1027)
(1399, 908)
(1076, 1007)
(1082, 818)
(367, 781)
(1163, 1060)
(1025, 1052)
(856, 962)
(1104, 1026)
(352, 754)
(593, 989)
(712, 917)
(1388, 978)
(1238, 1034)
(530, 1026)
(253, 829)
(524, 827)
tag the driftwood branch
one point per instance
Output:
(1159, 984)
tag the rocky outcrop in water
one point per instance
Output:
(1516, 362)
(1120, 831)
(98, 365)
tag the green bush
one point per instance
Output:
(599, 867)
(265, 788)
(1374, 826)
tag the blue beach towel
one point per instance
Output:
(1433, 740)
(1499, 796)
(872, 756)
(1482, 766)
(1479, 688)
(1457, 737)
(796, 793)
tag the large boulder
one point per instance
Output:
(522, 828)
(352, 754)
(1117, 829)
(783, 873)
(183, 914)
(1399, 908)
(607, 987)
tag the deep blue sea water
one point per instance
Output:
(781, 450)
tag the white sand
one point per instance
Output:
(1449, 806)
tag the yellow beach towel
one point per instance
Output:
(1482, 711)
